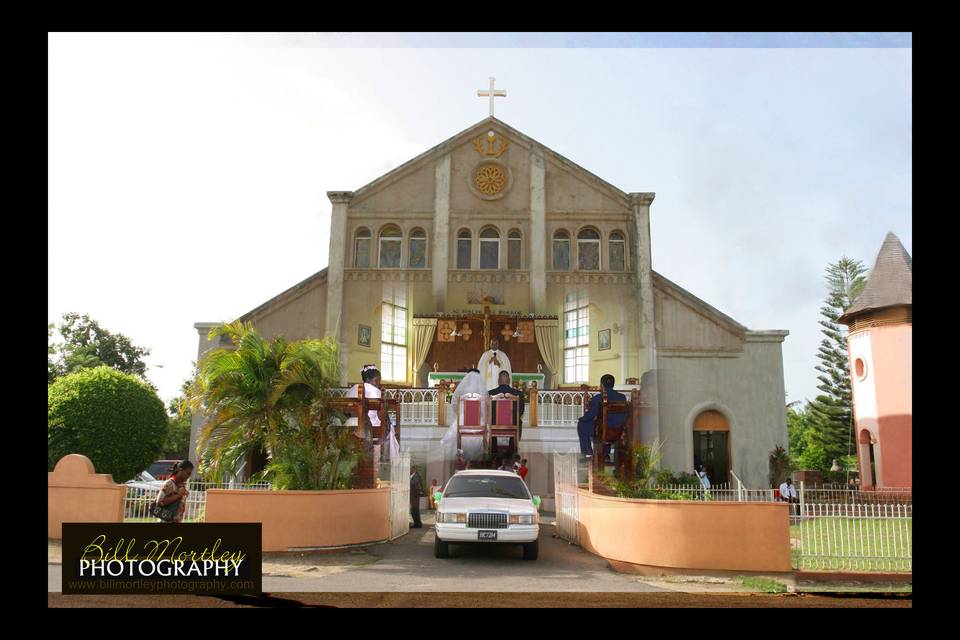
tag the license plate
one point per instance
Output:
(486, 535)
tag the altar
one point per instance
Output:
(451, 343)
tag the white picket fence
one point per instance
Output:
(853, 537)
(136, 505)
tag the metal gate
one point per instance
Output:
(400, 495)
(565, 489)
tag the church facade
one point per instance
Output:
(490, 234)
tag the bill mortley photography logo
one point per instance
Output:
(157, 558)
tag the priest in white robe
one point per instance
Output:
(492, 362)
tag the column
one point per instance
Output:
(203, 328)
(335, 266)
(640, 202)
(538, 233)
(649, 384)
(441, 233)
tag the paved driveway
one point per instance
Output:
(407, 564)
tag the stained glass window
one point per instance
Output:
(361, 248)
(464, 253)
(588, 250)
(418, 249)
(514, 249)
(391, 242)
(489, 249)
(617, 255)
(561, 251)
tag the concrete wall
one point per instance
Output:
(293, 519)
(721, 536)
(295, 317)
(747, 388)
(76, 493)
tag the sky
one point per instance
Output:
(188, 173)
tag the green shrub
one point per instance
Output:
(113, 418)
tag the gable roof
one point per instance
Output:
(890, 284)
(293, 292)
(464, 136)
(659, 282)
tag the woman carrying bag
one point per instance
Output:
(171, 500)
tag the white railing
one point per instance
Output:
(136, 505)
(854, 537)
(400, 495)
(559, 408)
(567, 499)
(417, 406)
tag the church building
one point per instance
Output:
(491, 234)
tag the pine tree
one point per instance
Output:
(832, 411)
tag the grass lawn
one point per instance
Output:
(853, 544)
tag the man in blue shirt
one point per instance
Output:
(585, 424)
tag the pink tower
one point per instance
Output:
(880, 343)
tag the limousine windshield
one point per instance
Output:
(464, 486)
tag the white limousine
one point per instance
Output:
(484, 506)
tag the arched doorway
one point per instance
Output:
(711, 446)
(868, 462)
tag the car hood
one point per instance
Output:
(511, 505)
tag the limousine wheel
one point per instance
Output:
(440, 548)
(531, 550)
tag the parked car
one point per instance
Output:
(161, 468)
(143, 484)
(487, 507)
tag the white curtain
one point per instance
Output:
(423, 330)
(548, 341)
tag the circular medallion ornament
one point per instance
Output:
(490, 180)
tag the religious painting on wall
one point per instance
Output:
(588, 250)
(363, 335)
(390, 247)
(561, 251)
(603, 340)
(617, 262)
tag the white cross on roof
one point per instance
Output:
(493, 93)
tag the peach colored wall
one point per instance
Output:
(732, 536)
(306, 518)
(76, 493)
(883, 402)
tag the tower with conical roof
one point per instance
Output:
(880, 343)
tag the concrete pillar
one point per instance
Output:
(538, 232)
(649, 385)
(642, 254)
(203, 328)
(335, 267)
(441, 233)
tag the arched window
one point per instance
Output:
(618, 260)
(391, 243)
(464, 249)
(561, 251)
(711, 446)
(489, 249)
(514, 249)
(418, 249)
(361, 248)
(588, 250)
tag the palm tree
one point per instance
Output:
(271, 396)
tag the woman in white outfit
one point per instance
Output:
(371, 389)
(472, 446)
